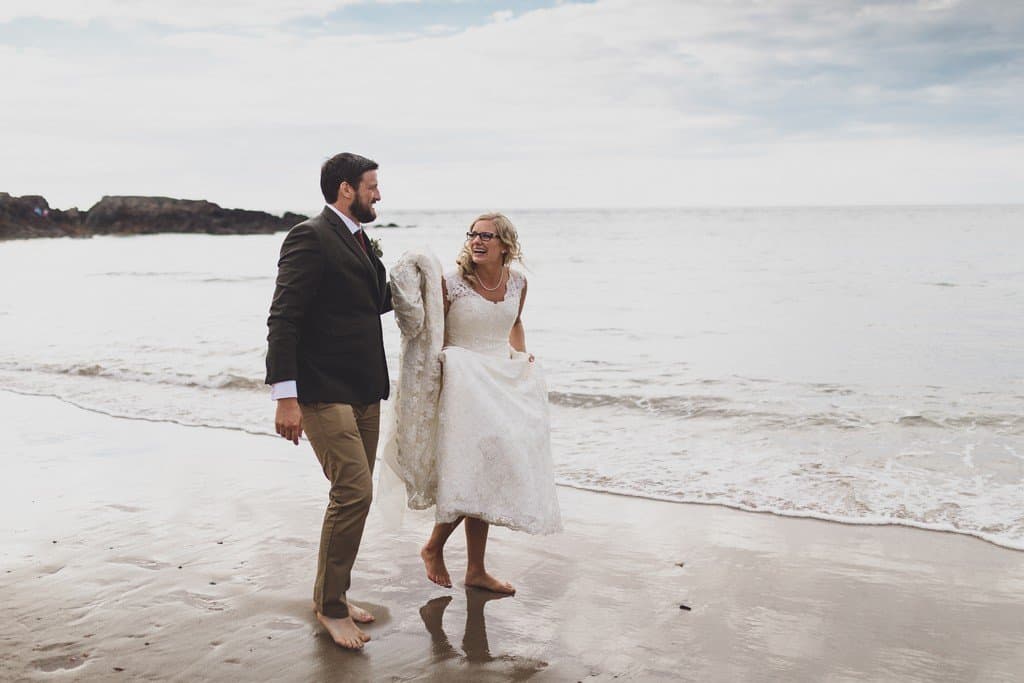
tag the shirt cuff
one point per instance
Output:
(286, 389)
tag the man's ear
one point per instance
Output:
(345, 190)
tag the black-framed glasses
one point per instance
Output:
(485, 236)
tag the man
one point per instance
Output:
(328, 372)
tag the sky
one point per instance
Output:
(488, 104)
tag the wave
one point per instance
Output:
(240, 278)
(680, 406)
(917, 421)
(187, 275)
(224, 380)
(229, 381)
(1012, 423)
(699, 406)
(1001, 529)
(703, 407)
(1000, 535)
(137, 273)
(140, 418)
(1015, 422)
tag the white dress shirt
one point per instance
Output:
(289, 388)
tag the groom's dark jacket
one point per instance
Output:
(325, 329)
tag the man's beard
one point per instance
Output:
(363, 213)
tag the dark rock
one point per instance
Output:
(31, 216)
(147, 215)
(292, 219)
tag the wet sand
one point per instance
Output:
(148, 551)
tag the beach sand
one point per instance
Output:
(133, 550)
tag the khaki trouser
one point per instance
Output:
(344, 438)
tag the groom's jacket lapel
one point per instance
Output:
(349, 240)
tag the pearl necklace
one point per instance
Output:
(501, 277)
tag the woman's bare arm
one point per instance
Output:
(444, 297)
(517, 337)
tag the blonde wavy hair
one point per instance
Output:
(505, 231)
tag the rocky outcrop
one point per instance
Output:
(147, 215)
(31, 216)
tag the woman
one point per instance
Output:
(493, 440)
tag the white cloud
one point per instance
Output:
(547, 105)
(881, 171)
(182, 13)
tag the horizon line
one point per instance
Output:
(649, 207)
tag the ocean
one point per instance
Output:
(863, 365)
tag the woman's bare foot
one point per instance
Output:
(344, 632)
(358, 614)
(437, 572)
(489, 583)
(432, 615)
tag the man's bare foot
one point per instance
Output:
(436, 569)
(344, 632)
(489, 583)
(358, 614)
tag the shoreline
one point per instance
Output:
(166, 553)
(882, 522)
(845, 521)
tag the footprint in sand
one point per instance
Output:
(143, 562)
(197, 600)
(125, 508)
(53, 646)
(59, 662)
(284, 625)
(303, 543)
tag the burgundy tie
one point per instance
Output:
(362, 240)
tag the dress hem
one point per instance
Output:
(502, 522)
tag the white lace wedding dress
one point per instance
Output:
(493, 435)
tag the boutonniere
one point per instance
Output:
(375, 245)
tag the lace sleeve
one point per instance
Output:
(457, 287)
(516, 282)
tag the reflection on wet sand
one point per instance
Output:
(475, 647)
(432, 614)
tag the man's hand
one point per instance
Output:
(288, 421)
